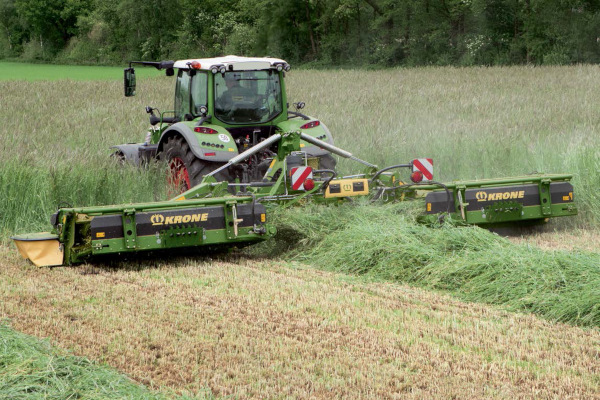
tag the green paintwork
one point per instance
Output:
(508, 211)
(74, 229)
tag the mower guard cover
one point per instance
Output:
(43, 249)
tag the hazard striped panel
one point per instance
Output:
(299, 176)
(424, 166)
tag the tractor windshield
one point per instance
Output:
(243, 97)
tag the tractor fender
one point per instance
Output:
(183, 130)
(130, 152)
(320, 132)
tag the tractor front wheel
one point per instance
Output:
(185, 170)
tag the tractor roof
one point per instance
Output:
(232, 63)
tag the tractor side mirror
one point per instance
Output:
(129, 82)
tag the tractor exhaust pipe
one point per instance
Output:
(334, 150)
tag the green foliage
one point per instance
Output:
(50, 24)
(385, 242)
(314, 32)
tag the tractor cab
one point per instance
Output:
(235, 90)
(238, 97)
(248, 97)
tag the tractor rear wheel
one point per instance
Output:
(185, 170)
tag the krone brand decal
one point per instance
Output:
(223, 138)
(485, 196)
(159, 219)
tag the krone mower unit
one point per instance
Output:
(209, 215)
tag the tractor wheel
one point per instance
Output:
(327, 162)
(185, 170)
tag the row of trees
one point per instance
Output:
(321, 32)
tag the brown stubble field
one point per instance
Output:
(269, 329)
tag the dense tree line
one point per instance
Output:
(319, 32)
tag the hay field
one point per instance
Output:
(267, 328)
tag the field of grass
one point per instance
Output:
(477, 122)
(253, 327)
(42, 72)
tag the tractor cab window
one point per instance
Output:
(190, 93)
(182, 95)
(199, 92)
(247, 96)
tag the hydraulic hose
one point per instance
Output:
(387, 169)
(433, 183)
(326, 171)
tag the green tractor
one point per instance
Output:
(223, 106)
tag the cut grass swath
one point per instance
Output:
(32, 369)
(386, 242)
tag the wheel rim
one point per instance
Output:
(178, 177)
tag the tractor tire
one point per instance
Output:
(185, 170)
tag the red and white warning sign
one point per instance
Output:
(302, 178)
(424, 166)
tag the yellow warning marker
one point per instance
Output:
(347, 188)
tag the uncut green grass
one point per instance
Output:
(55, 149)
(385, 242)
(474, 123)
(480, 122)
(41, 72)
(31, 369)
